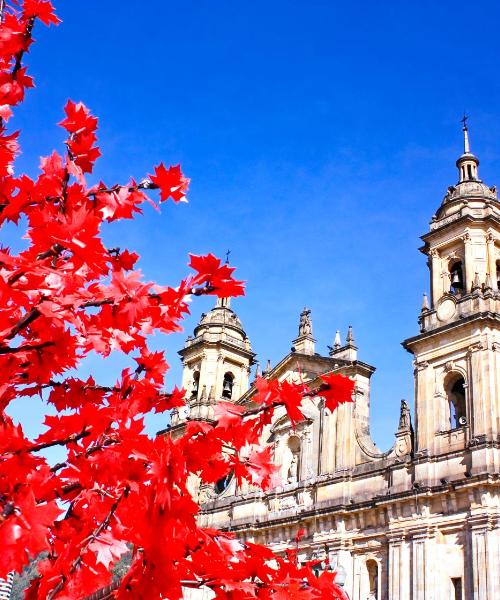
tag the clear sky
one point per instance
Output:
(320, 137)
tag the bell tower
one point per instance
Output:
(216, 361)
(457, 353)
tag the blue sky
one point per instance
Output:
(320, 138)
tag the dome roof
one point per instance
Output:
(221, 318)
(470, 190)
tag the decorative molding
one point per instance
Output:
(420, 366)
(449, 366)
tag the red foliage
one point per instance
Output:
(67, 295)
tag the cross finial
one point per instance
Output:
(227, 256)
(465, 129)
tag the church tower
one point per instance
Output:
(457, 353)
(217, 363)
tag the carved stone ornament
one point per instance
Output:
(404, 416)
(476, 347)
(420, 366)
(446, 309)
(305, 325)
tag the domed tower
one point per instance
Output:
(457, 360)
(217, 362)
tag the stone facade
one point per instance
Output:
(420, 521)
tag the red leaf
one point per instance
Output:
(337, 389)
(171, 182)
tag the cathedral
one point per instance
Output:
(420, 521)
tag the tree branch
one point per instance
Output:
(93, 536)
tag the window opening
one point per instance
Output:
(227, 385)
(457, 277)
(223, 483)
(196, 384)
(456, 399)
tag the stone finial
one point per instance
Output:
(425, 302)
(336, 341)
(257, 370)
(404, 434)
(268, 369)
(348, 351)
(476, 285)
(211, 395)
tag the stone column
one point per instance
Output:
(398, 567)
(484, 554)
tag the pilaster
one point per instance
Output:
(484, 555)
(398, 567)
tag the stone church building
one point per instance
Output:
(419, 521)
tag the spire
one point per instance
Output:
(466, 135)
(467, 164)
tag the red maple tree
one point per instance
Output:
(66, 296)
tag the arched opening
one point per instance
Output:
(223, 483)
(195, 385)
(456, 277)
(372, 569)
(293, 474)
(455, 392)
(227, 385)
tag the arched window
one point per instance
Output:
(455, 392)
(227, 385)
(456, 277)
(223, 483)
(196, 384)
(372, 569)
